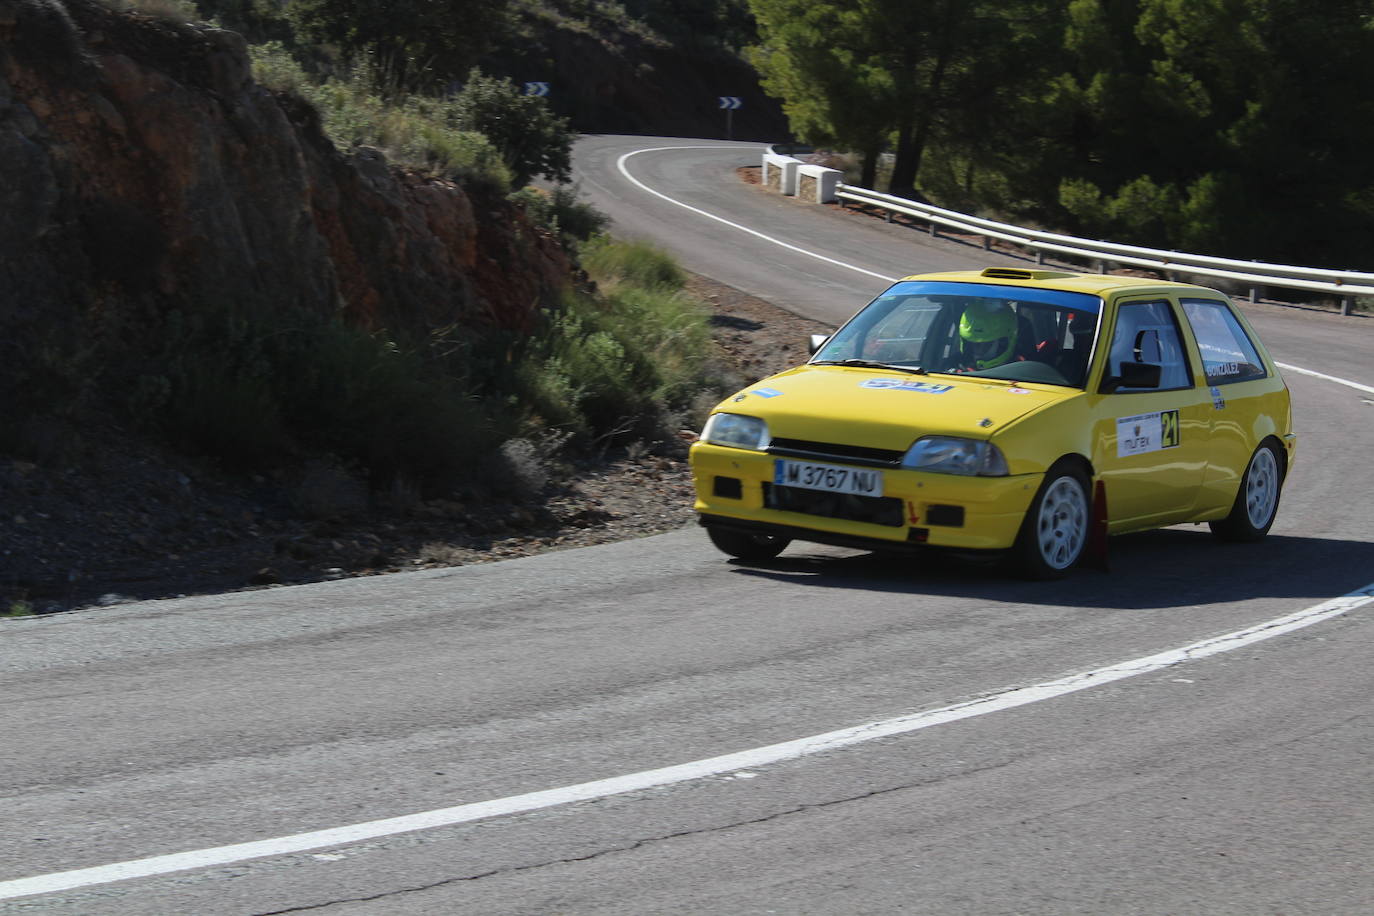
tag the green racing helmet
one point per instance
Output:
(988, 333)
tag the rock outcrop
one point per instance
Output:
(142, 169)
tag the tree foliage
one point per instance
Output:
(531, 139)
(408, 40)
(870, 73)
(1221, 127)
(815, 58)
(1233, 126)
(697, 23)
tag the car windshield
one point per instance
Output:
(980, 329)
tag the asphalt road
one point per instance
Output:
(1236, 783)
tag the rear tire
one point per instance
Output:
(1257, 499)
(1054, 534)
(746, 546)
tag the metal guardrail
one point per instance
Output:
(1344, 284)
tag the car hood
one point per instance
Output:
(884, 409)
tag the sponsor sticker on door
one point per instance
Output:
(1146, 432)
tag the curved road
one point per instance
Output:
(1231, 777)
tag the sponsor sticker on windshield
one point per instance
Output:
(1147, 432)
(901, 384)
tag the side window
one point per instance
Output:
(1146, 332)
(901, 336)
(1228, 354)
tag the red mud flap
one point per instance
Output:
(1097, 537)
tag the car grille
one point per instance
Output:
(875, 510)
(834, 451)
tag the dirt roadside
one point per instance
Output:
(124, 524)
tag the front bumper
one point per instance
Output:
(734, 487)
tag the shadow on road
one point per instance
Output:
(1166, 568)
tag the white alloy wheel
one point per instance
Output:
(1257, 497)
(1262, 488)
(1061, 524)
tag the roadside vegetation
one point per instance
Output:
(16, 608)
(625, 365)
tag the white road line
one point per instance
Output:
(620, 164)
(698, 769)
(1329, 378)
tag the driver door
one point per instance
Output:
(1150, 441)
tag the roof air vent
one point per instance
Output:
(1017, 273)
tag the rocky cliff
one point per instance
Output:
(142, 169)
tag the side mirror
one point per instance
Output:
(817, 341)
(1133, 375)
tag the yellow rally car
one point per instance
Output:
(1029, 411)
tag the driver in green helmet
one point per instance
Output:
(987, 334)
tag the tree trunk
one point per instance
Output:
(908, 162)
(868, 171)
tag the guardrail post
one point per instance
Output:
(1254, 295)
(1345, 305)
(1039, 258)
(987, 243)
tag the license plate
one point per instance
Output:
(829, 477)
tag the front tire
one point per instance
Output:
(746, 546)
(1257, 499)
(1055, 532)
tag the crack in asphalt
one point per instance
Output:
(637, 844)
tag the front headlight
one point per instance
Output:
(736, 431)
(951, 455)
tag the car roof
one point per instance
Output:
(1093, 284)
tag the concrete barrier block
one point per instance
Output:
(817, 183)
(780, 173)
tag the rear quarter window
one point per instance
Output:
(1228, 353)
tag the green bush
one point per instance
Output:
(416, 131)
(408, 411)
(612, 263)
(530, 138)
(17, 608)
(562, 213)
(257, 390)
(276, 68)
(629, 365)
(260, 389)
